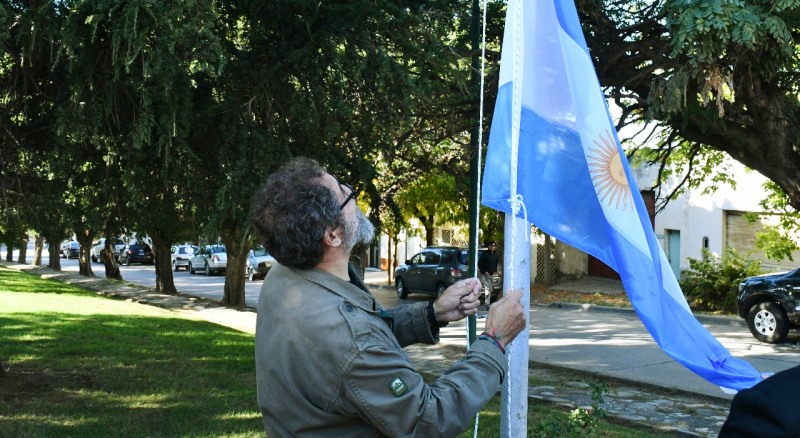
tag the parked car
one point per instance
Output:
(769, 304)
(136, 253)
(100, 245)
(181, 255)
(433, 270)
(70, 249)
(210, 259)
(259, 263)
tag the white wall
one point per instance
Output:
(697, 215)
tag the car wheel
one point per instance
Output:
(127, 261)
(400, 285)
(94, 259)
(208, 270)
(191, 269)
(250, 274)
(440, 289)
(767, 322)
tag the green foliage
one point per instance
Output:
(712, 283)
(434, 193)
(774, 244)
(581, 422)
(777, 242)
(719, 73)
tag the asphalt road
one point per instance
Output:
(610, 343)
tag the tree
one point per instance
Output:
(32, 86)
(431, 197)
(717, 74)
(132, 68)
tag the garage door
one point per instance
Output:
(740, 234)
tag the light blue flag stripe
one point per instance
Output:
(577, 186)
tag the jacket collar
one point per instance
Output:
(354, 291)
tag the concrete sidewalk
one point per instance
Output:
(682, 412)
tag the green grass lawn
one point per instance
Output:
(77, 364)
(81, 365)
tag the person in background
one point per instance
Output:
(768, 409)
(487, 266)
(329, 357)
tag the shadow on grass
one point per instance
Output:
(101, 375)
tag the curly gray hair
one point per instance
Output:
(291, 212)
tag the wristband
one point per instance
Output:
(432, 317)
(492, 339)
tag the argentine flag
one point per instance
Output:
(574, 180)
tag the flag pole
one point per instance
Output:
(516, 254)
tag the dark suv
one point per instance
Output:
(433, 270)
(136, 253)
(769, 304)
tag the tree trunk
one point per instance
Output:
(110, 260)
(165, 282)
(389, 260)
(429, 234)
(237, 249)
(52, 249)
(549, 277)
(395, 262)
(9, 252)
(23, 249)
(38, 247)
(84, 238)
(429, 224)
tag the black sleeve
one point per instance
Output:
(754, 414)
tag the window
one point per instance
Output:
(432, 258)
(447, 236)
(447, 257)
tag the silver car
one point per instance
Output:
(210, 259)
(100, 245)
(181, 255)
(259, 263)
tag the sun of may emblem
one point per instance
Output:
(608, 175)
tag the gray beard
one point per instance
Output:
(363, 233)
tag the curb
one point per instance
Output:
(649, 387)
(709, 319)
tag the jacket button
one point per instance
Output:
(348, 307)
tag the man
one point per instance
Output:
(487, 266)
(768, 409)
(329, 358)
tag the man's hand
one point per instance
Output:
(506, 318)
(458, 301)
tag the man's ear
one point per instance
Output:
(333, 237)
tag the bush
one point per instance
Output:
(713, 283)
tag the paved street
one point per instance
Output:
(611, 343)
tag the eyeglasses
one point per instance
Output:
(352, 195)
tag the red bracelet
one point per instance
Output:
(493, 339)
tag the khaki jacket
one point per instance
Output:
(330, 363)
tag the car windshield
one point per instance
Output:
(260, 252)
(216, 249)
